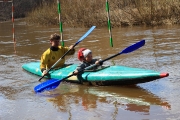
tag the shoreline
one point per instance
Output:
(88, 13)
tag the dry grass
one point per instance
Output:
(45, 15)
(93, 12)
(21, 7)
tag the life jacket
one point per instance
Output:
(80, 54)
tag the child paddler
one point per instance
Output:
(85, 56)
(53, 54)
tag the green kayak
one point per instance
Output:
(106, 75)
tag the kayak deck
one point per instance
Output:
(111, 75)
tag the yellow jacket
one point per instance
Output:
(50, 56)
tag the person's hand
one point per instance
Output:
(98, 62)
(75, 72)
(71, 47)
(44, 72)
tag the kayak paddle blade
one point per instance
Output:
(47, 85)
(133, 47)
(86, 34)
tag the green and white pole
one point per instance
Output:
(60, 23)
(109, 23)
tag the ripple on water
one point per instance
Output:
(160, 53)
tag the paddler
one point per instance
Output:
(54, 53)
(85, 56)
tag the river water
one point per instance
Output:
(156, 100)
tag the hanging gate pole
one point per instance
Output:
(13, 29)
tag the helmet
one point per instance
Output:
(80, 54)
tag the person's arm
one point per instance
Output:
(98, 62)
(72, 50)
(43, 63)
(79, 69)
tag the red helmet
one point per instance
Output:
(80, 54)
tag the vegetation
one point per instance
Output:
(21, 7)
(92, 12)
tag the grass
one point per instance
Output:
(86, 13)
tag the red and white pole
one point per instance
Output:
(13, 29)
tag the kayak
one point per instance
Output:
(105, 75)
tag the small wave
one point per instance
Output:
(6, 42)
(93, 41)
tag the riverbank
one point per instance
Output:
(87, 13)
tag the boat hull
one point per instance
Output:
(111, 75)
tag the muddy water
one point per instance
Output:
(153, 100)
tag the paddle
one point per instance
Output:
(83, 37)
(53, 83)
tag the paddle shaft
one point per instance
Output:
(87, 68)
(125, 51)
(83, 37)
(48, 85)
(56, 63)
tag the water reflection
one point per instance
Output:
(129, 98)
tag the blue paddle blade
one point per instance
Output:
(86, 34)
(47, 85)
(133, 47)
